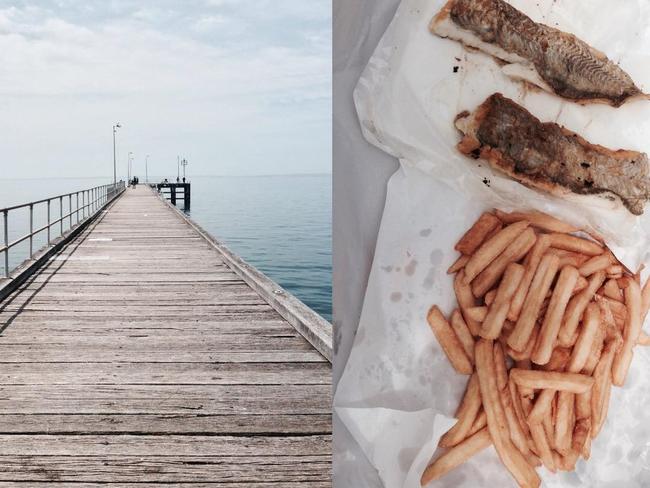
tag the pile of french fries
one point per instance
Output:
(547, 321)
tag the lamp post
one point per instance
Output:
(115, 127)
(184, 163)
(146, 168)
(128, 166)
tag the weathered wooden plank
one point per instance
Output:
(246, 470)
(164, 373)
(37, 325)
(211, 399)
(168, 445)
(159, 424)
(48, 354)
(207, 484)
(111, 320)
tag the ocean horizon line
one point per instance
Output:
(3, 178)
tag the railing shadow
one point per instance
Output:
(31, 280)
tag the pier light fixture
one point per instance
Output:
(115, 127)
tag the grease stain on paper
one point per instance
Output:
(410, 267)
(396, 296)
(425, 232)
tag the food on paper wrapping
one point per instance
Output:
(542, 367)
(549, 157)
(545, 57)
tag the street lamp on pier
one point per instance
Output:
(115, 127)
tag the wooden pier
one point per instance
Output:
(144, 354)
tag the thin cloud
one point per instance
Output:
(183, 77)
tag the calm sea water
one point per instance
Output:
(279, 224)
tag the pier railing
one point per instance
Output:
(81, 205)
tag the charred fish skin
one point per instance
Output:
(564, 64)
(549, 157)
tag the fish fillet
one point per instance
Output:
(549, 157)
(553, 60)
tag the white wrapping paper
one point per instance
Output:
(398, 391)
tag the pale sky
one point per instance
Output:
(237, 86)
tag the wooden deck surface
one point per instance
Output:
(137, 357)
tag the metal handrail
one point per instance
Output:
(92, 201)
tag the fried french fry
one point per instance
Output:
(595, 264)
(643, 340)
(559, 359)
(515, 251)
(462, 332)
(542, 407)
(575, 244)
(578, 442)
(519, 409)
(477, 234)
(583, 405)
(645, 299)
(458, 264)
(511, 457)
(517, 434)
(477, 314)
(498, 310)
(569, 258)
(581, 284)
(479, 422)
(602, 380)
(531, 263)
(615, 271)
(552, 320)
(619, 311)
(538, 434)
(466, 415)
(456, 456)
(540, 285)
(528, 351)
(449, 341)
(612, 330)
(583, 347)
(611, 290)
(537, 219)
(466, 301)
(633, 325)
(586, 450)
(549, 428)
(524, 364)
(576, 308)
(564, 421)
(596, 346)
(552, 380)
(491, 248)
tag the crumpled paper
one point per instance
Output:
(398, 393)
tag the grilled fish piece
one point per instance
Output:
(553, 60)
(549, 157)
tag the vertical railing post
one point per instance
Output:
(5, 224)
(77, 211)
(70, 209)
(83, 205)
(31, 230)
(48, 222)
(61, 214)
